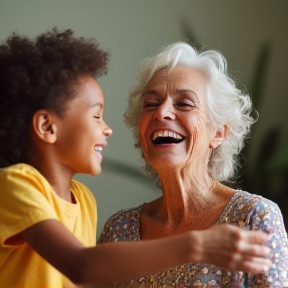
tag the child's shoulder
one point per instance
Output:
(81, 191)
(19, 170)
(18, 167)
(75, 184)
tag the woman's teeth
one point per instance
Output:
(166, 133)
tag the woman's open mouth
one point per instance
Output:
(162, 137)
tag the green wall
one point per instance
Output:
(133, 30)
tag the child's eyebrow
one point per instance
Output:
(96, 104)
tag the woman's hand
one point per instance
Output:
(234, 248)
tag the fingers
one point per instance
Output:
(254, 255)
(253, 243)
(239, 250)
(257, 237)
(252, 265)
(255, 265)
(253, 250)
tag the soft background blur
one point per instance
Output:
(252, 35)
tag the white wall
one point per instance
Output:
(133, 30)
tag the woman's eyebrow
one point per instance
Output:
(151, 92)
(192, 93)
(188, 91)
(185, 91)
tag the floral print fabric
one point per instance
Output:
(243, 210)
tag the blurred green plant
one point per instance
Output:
(278, 162)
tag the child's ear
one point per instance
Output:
(44, 126)
(220, 136)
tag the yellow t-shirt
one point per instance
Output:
(27, 198)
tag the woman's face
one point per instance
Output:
(174, 126)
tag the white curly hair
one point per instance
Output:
(227, 104)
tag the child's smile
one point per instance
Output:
(82, 130)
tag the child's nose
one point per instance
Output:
(108, 131)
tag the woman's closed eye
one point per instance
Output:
(150, 104)
(184, 105)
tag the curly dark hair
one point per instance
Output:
(40, 73)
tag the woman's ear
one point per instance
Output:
(220, 136)
(44, 126)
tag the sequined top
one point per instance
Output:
(243, 209)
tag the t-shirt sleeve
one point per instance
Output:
(267, 216)
(23, 202)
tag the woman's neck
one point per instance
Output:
(186, 204)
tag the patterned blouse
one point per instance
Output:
(244, 209)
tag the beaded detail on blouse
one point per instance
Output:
(243, 210)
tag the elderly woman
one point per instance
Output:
(190, 121)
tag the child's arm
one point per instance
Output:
(224, 245)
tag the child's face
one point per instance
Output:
(82, 132)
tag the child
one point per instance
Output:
(51, 127)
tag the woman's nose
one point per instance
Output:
(165, 111)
